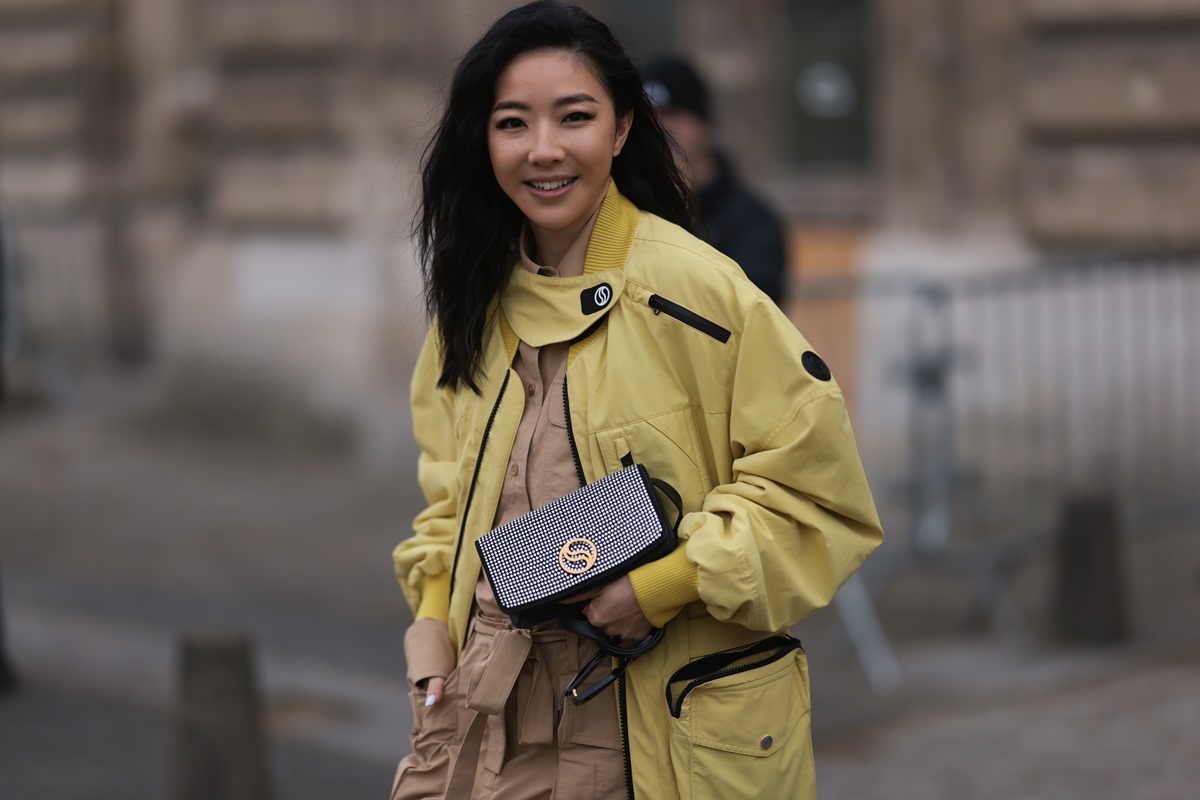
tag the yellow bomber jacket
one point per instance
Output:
(694, 372)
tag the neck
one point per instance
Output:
(553, 246)
(550, 247)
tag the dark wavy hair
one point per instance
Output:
(466, 227)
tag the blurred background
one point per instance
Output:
(209, 308)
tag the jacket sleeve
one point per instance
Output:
(423, 561)
(797, 518)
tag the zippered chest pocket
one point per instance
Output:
(662, 305)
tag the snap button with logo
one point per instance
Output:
(595, 298)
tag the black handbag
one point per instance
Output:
(582, 540)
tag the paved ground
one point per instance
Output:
(116, 539)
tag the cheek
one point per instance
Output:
(501, 157)
(495, 156)
(602, 150)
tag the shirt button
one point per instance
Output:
(512, 470)
(532, 390)
(766, 743)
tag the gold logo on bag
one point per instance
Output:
(577, 556)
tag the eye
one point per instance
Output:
(508, 123)
(579, 116)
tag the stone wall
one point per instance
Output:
(237, 179)
(1069, 124)
(228, 184)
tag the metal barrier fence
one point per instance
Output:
(983, 403)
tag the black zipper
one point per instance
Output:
(688, 317)
(621, 694)
(571, 435)
(625, 734)
(620, 680)
(475, 478)
(786, 645)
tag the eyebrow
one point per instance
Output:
(571, 99)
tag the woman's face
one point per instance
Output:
(552, 137)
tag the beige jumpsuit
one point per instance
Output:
(507, 733)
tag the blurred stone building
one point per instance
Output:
(224, 187)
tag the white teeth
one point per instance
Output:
(551, 185)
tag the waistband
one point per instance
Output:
(490, 685)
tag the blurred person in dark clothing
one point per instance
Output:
(730, 216)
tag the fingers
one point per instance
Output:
(579, 598)
(620, 623)
(631, 635)
(437, 689)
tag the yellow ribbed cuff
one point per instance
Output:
(435, 597)
(665, 586)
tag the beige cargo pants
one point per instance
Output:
(503, 729)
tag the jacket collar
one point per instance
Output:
(541, 310)
(612, 236)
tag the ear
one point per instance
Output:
(623, 125)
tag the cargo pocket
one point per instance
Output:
(424, 771)
(591, 763)
(739, 723)
(439, 722)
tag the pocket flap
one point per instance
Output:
(752, 713)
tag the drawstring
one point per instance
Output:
(488, 691)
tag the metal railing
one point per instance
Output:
(983, 403)
(994, 396)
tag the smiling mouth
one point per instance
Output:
(550, 186)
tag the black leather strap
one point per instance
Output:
(578, 697)
(672, 495)
(574, 621)
(571, 619)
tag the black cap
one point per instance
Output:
(672, 82)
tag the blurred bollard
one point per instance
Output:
(1089, 601)
(8, 677)
(219, 745)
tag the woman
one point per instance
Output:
(576, 324)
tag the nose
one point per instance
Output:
(546, 147)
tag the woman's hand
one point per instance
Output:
(614, 609)
(436, 690)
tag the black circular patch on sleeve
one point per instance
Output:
(815, 366)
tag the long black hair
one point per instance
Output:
(466, 227)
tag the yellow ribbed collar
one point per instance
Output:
(612, 235)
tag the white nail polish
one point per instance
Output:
(430, 700)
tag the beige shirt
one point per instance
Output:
(541, 468)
